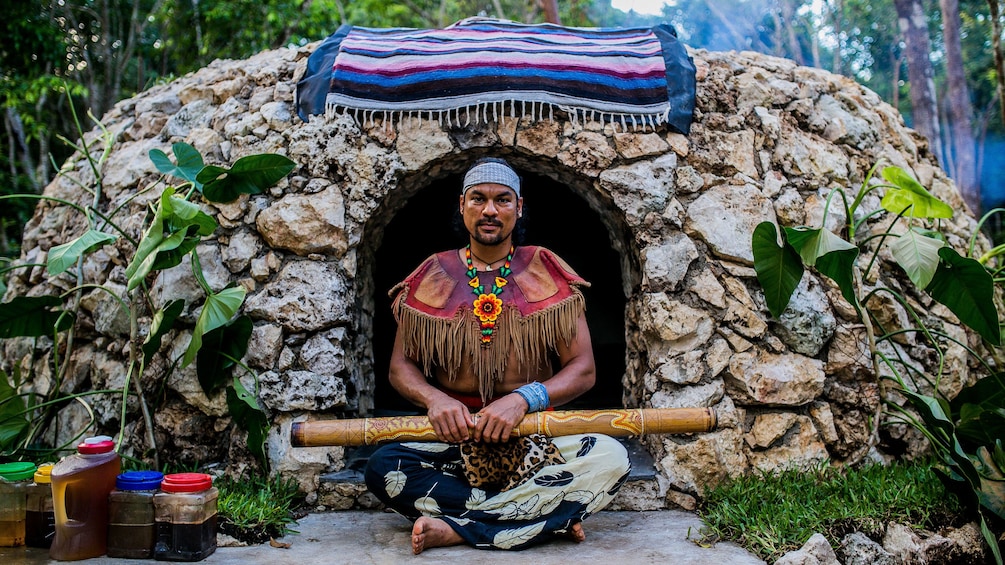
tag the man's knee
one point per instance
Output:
(613, 453)
(377, 467)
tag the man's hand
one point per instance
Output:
(495, 422)
(451, 419)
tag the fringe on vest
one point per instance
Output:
(452, 343)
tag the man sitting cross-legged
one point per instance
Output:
(477, 329)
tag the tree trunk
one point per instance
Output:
(924, 110)
(550, 8)
(895, 61)
(960, 152)
(996, 41)
(837, 18)
(789, 23)
(19, 149)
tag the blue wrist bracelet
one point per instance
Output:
(536, 396)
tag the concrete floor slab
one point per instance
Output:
(379, 538)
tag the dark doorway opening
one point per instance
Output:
(558, 219)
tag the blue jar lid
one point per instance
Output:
(139, 480)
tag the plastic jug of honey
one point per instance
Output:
(80, 486)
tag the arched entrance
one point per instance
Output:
(557, 218)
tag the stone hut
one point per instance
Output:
(660, 222)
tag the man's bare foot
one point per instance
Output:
(432, 532)
(576, 533)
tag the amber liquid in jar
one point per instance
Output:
(15, 479)
(40, 517)
(11, 533)
(131, 530)
(185, 511)
(80, 487)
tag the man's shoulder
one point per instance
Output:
(432, 270)
(538, 257)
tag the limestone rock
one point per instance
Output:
(769, 427)
(901, 542)
(699, 396)
(304, 296)
(705, 461)
(808, 322)
(421, 141)
(306, 224)
(857, 549)
(725, 216)
(302, 464)
(264, 347)
(667, 264)
(774, 380)
(633, 145)
(816, 551)
(652, 179)
(243, 247)
(679, 327)
(798, 448)
(324, 354)
(300, 390)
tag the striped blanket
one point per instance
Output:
(480, 69)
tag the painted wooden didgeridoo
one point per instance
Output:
(614, 422)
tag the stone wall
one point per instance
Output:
(770, 141)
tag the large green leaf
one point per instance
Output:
(32, 316)
(143, 259)
(813, 243)
(988, 393)
(918, 255)
(13, 422)
(189, 162)
(778, 267)
(832, 256)
(161, 324)
(174, 231)
(992, 491)
(909, 195)
(62, 257)
(248, 415)
(839, 266)
(182, 215)
(250, 175)
(217, 311)
(965, 287)
(220, 347)
(980, 427)
(935, 414)
(174, 249)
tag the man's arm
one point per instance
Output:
(450, 418)
(496, 421)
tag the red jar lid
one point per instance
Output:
(186, 482)
(98, 444)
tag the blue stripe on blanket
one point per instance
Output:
(635, 75)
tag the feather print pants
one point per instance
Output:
(426, 479)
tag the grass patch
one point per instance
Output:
(771, 515)
(257, 508)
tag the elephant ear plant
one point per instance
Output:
(966, 432)
(177, 225)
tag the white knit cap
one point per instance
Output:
(491, 172)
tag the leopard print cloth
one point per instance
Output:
(502, 466)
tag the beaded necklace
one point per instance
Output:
(487, 307)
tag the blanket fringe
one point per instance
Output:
(496, 111)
